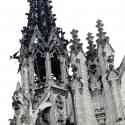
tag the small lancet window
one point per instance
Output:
(39, 66)
(55, 66)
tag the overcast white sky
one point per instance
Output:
(79, 14)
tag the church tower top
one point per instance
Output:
(40, 16)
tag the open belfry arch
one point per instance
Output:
(48, 94)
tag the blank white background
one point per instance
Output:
(79, 14)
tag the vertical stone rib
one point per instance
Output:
(25, 77)
(48, 66)
(63, 69)
(31, 71)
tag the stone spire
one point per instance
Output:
(101, 35)
(91, 53)
(76, 45)
(40, 15)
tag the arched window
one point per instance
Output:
(39, 66)
(55, 66)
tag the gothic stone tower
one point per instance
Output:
(41, 96)
(47, 94)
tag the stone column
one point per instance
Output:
(25, 79)
(48, 66)
(51, 83)
(31, 71)
(63, 69)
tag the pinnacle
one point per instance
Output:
(74, 31)
(89, 37)
(74, 34)
(76, 45)
(101, 35)
(91, 53)
(99, 24)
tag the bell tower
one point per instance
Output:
(43, 68)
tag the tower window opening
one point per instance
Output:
(55, 64)
(39, 66)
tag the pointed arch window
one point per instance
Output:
(39, 66)
(55, 65)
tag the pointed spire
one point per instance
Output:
(92, 52)
(40, 14)
(101, 35)
(46, 20)
(76, 45)
(40, 9)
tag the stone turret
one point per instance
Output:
(94, 80)
(43, 57)
(91, 53)
(110, 79)
(83, 105)
(102, 42)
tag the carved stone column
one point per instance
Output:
(63, 69)
(48, 66)
(25, 79)
(31, 71)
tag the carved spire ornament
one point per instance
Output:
(48, 93)
(92, 52)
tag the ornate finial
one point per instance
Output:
(90, 38)
(92, 52)
(99, 25)
(102, 38)
(101, 34)
(76, 45)
(74, 34)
